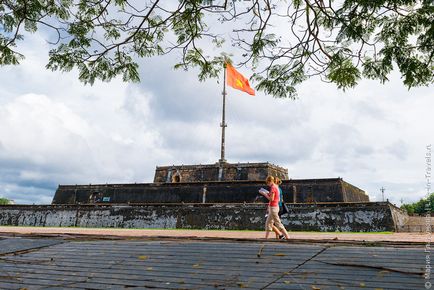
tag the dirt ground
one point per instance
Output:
(176, 233)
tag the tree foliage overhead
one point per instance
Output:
(282, 42)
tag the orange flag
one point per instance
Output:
(237, 80)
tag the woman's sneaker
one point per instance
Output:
(282, 237)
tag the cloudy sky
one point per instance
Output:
(54, 130)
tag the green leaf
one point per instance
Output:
(343, 73)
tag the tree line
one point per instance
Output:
(4, 201)
(423, 206)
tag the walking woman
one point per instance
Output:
(273, 209)
(282, 211)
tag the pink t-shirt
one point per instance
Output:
(274, 189)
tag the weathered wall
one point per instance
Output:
(295, 191)
(400, 218)
(321, 217)
(345, 217)
(218, 172)
(352, 193)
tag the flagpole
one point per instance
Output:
(223, 123)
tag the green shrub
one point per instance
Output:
(4, 201)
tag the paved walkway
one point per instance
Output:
(59, 263)
(297, 236)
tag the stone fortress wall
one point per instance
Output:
(295, 191)
(353, 217)
(212, 183)
(213, 196)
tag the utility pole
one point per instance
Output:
(382, 192)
